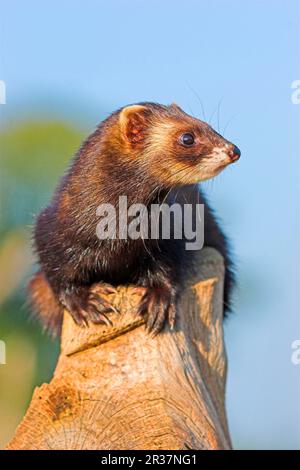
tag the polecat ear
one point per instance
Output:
(175, 106)
(133, 123)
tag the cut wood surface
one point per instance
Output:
(116, 387)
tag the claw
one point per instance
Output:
(85, 306)
(106, 289)
(157, 305)
(99, 300)
(172, 315)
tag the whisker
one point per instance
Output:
(217, 109)
(229, 122)
(199, 99)
(191, 111)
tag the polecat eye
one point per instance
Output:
(187, 139)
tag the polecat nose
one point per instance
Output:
(234, 153)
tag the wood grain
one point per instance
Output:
(119, 388)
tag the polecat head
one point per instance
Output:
(172, 146)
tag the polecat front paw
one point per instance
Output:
(158, 305)
(86, 305)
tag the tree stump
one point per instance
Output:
(117, 387)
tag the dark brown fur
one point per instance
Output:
(135, 152)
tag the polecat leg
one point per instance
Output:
(86, 305)
(158, 305)
(45, 304)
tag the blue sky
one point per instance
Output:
(79, 60)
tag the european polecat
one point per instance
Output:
(152, 154)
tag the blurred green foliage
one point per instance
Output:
(33, 155)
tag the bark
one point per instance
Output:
(119, 388)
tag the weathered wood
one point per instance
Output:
(119, 388)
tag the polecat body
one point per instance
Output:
(151, 154)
